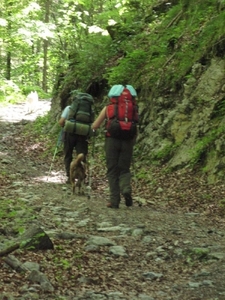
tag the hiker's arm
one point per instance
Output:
(64, 116)
(101, 117)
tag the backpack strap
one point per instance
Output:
(74, 108)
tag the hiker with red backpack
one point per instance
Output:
(121, 118)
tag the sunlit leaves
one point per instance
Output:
(30, 9)
(67, 30)
(3, 22)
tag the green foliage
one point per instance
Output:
(6, 212)
(196, 254)
(10, 92)
(128, 69)
(38, 130)
(142, 173)
(11, 212)
(39, 125)
(183, 37)
(149, 49)
(26, 89)
(65, 264)
(24, 243)
(165, 153)
(90, 62)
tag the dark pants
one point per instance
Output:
(71, 142)
(118, 161)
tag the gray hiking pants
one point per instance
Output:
(118, 161)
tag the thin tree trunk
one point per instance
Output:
(8, 66)
(45, 50)
(8, 57)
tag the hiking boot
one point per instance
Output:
(109, 205)
(128, 200)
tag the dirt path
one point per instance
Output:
(151, 251)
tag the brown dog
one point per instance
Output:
(78, 173)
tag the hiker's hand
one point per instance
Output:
(94, 132)
(62, 122)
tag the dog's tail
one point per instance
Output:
(77, 161)
(80, 158)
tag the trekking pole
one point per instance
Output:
(59, 141)
(90, 168)
(136, 182)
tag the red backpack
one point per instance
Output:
(122, 114)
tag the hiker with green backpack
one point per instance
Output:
(76, 120)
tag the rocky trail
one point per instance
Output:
(169, 246)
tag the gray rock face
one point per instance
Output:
(190, 125)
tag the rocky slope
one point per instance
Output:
(187, 128)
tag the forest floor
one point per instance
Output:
(169, 245)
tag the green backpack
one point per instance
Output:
(81, 109)
(81, 115)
